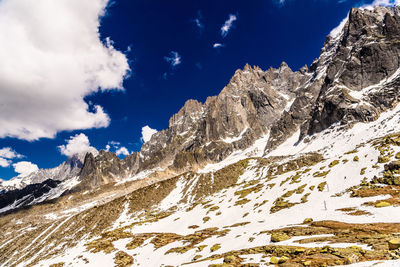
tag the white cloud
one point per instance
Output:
(4, 162)
(147, 133)
(218, 45)
(197, 21)
(228, 25)
(114, 143)
(381, 3)
(77, 144)
(24, 168)
(51, 58)
(9, 153)
(117, 148)
(6, 154)
(174, 59)
(122, 151)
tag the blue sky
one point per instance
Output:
(176, 50)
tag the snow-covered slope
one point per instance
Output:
(238, 212)
(292, 168)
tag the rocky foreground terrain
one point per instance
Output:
(281, 168)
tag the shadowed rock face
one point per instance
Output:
(105, 168)
(68, 169)
(27, 195)
(368, 54)
(364, 53)
(337, 88)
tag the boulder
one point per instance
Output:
(278, 237)
(382, 204)
(394, 244)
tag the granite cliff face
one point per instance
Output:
(354, 79)
(199, 134)
(242, 113)
(362, 78)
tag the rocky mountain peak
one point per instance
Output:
(190, 111)
(366, 56)
(243, 76)
(283, 66)
(362, 51)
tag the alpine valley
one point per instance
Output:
(281, 168)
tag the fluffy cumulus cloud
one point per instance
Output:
(122, 151)
(51, 58)
(9, 153)
(147, 133)
(24, 168)
(228, 25)
(174, 59)
(117, 148)
(77, 144)
(4, 162)
(111, 144)
(6, 156)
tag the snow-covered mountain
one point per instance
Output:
(283, 168)
(67, 169)
(39, 186)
